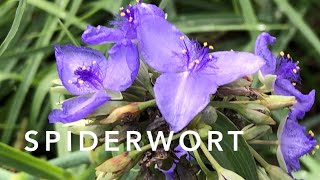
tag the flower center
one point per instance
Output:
(89, 76)
(287, 69)
(197, 56)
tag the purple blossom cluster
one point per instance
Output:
(190, 73)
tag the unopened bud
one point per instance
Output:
(116, 166)
(276, 102)
(276, 173)
(256, 113)
(226, 174)
(120, 113)
(85, 125)
(203, 130)
(255, 132)
(262, 175)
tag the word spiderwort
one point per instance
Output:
(293, 142)
(190, 74)
(86, 73)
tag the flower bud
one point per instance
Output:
(116, 166)
(262, 175)
(276, 173)
(119, 113)
(256, 113)
(276, 102)
(203, 129)
(226, 174)
(255, 132)
(85, 125)
(267, 81)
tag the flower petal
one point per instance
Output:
(305, 102)
(161, 44)
(80, 62)
(294, 143)
(180, 97)
(123, 66)
(77, 108)
(101, 34)
(149, 9)
(230, 66)
(262, 50)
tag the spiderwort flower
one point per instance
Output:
(86, 73)
(189, 73)
(294, 143)
(124, 32)
(287, 72)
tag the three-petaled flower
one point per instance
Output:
(190, 74)
(86, 73)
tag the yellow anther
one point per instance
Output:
(80, 81)
(182, 37)
(128, 11)
(94, 62)
(137, 1)
(288, 56)
(205, 44)
(295, 71)
(122, 14)
(83, 68)
(130, 19)
(121, 8)
(184, 51)
(313, 152)
(210, 56)
(69, 81)
(211, 47)
(281, 53)
(311, 133)
(294, 84)
(196, 61)
(166, 16)
(298, 62)
(317, 146)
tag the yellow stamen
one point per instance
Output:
(196, 61)
(288, 56)
(122, 14)
(313, 152)
(83, 68)
(121, 8)
(311, 133)
(80, 82)
(294, 84)
(317, 146)
(281, 53)
(128, 11)
(295, 71)
(184, 51)
(211, 47)
(69, 81)
(182, 37)
(166, 16)
(298, 67)
(205, 44)
(130, 19)
(137, 1)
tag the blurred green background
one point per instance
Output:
(29, 29)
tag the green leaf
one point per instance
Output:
(15, 26)
(22, 161)
(241, 161)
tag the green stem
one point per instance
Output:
(143, 105)
(213, 162)
(198, 158)
(263, 142)
(257, 156)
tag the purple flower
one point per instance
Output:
(124, 32)
(293, 143)
(189, 73)
(287, 72)
(86, 73)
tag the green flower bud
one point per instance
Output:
(262, 175)
(256, 113)
(226, 174)
(276, 102)
(276, 173)
(255, 132)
